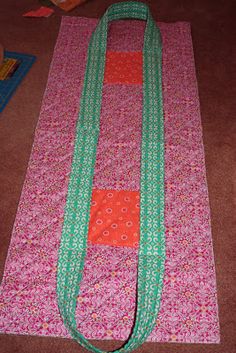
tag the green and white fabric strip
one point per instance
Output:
(76, 220)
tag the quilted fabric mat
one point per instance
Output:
(106, 303)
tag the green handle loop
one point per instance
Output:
(76, 220)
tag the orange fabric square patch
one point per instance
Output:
(114, 218)
(122, 67)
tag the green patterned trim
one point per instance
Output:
(76, 220)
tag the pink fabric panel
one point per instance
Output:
(28, 290)
(118, 153)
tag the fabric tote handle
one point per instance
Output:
(76, 219)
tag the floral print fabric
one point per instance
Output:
(123, 67)
(120, 136)
(114, 218)
(106, 303)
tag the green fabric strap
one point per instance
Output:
(76, 220)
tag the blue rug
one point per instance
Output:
(7, 87)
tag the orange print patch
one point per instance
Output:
(114, 218)
(122, 67)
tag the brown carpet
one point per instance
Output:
(213, 32)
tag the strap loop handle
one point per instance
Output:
(75, 228)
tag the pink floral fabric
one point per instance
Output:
(106, 301)
(119, 149)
